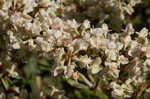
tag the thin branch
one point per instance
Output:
(76, 84)
(100, 75)
(86, 80)
(91, 77)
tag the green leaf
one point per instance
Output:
(31, 69)
(5, 83)
(43, 62)
(101, 94)
(78, 94)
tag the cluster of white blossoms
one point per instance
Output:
(33, 26)
(124, 5)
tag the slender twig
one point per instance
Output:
(86, 80)
(100, 75)
(76, 84)
(91, 77)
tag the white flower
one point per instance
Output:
(16, 19)
(31, 43)
(16, 45)
(12, 37)
(99, 43)
(36, 28)
(117, 92)
(123, 60)
(45, 46)
(72, 24)
(113, 69)
(4, 14)
(56, 33)
(80, 44)
(84, 60)
(7, 4)
(129, 29)
(86, 24)
(28, 26)
(133, 52)
(127, 40)
(146, 49)
(128, 90)
(12, 72)
(112, 45)
(105, 29)
(148, 54)
(113, 37)
(58, 55)
(93, 42)
(112, 54)
(122, 91)
(44, 3)
(143, 33)
(29, 5)
(86, 35)
(129, 9)
(69, 71)
(60, 68)
(97, 32)
(134, 47)
(119, 46)
(59, 23)
(137, 80)
(96, 67)
(147, 62)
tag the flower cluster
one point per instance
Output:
(35, 26)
